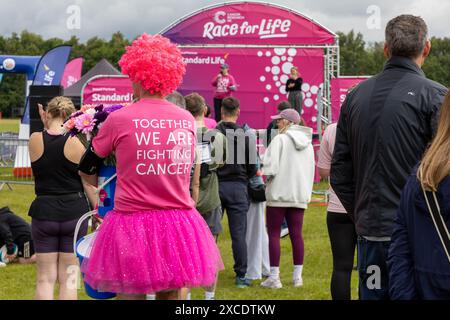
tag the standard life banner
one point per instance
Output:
(108, 90)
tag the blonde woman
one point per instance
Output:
(419, 266)
(60, 200)
(289, 167)
(294, 90)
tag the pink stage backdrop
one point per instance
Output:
(261, 75)
(339, 90)
(249, 23)
(108, 91)
(72, 72)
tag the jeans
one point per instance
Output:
(235, 201)
(373, 270)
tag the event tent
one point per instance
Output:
(103, 67)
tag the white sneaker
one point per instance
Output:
(298, 282)
(284, 232)
(273, 283)
(2, 264)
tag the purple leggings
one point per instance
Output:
(294, 218)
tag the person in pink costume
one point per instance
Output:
(154, 240)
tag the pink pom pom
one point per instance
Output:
(155, 63)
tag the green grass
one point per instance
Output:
(9, 125)
(18, 282)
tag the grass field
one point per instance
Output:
(9, 125)
(18, 282)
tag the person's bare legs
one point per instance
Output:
(47, 274)
(183, 293)
(68, 275)
(169, 295)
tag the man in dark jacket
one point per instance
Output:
(385, 125)
(16, 232)
(234, 177)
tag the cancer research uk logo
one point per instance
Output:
(234, 24)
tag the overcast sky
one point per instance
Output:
(103, 17)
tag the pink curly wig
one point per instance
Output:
(155, 63)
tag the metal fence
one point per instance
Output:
(15, 167)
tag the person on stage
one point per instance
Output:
(294, 90)
(154, 240)
(225, 84)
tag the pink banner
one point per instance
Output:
(261, 76)
(249, 23)
(108, 90)
(72, 72)
(339, 90)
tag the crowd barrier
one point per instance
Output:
(15, 165)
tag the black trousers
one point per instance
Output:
(217, 107)
(343, 238)
(235, 201)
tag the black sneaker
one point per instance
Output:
(242, 282)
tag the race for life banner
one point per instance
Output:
(249, 23)
(339, 89)
(72, 72)
(261, 76)
(108, 90)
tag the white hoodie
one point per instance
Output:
(289, 166)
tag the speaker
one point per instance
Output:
(41, 95)
(50, 91)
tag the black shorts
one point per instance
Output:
(55, 236)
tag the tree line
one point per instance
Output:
(356, 58)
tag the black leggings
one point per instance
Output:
(343, 238)
(217, 109)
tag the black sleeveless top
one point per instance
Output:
(58, 187)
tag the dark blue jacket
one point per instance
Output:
(419, 268)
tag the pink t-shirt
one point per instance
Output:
(223, 84)
(154, 143)
(325, 158)
(210, 123)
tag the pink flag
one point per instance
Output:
(72, 73)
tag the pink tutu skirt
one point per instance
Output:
(152, 251)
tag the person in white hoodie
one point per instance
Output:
(289, 167)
